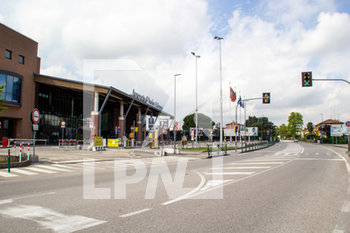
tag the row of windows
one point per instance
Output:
(8, 55)
(12, 90)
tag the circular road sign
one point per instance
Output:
(35, 116)
(347, 124)
(63, 124)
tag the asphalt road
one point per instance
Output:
(290, 187)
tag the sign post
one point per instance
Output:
(347, 124)
(35, 117)
(63, 125)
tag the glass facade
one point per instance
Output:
(12, 89)
(56, 105)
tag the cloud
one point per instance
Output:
(330, 35)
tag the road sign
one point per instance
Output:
(347, 124)
(35, 127)
(35, 116)
(63, 124)
(132, 135)
(268, 133)
(91, 125)
(136, 129)
(98, 141)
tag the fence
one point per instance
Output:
(256, 146)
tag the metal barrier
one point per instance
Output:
(218, 150)
(256, 146)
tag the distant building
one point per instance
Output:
(322, 129)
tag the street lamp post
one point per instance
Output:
(175, 112)
(221, 114)
(196, 57)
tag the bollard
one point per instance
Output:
(9, 161)
(20, 153)
(28, 152)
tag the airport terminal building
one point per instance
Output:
(111, 112)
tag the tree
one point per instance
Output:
(204, 122)
(310, 127)
(295, 123)
(263, 124)
(2, 99)
(283, 131)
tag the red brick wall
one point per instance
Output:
(20, 45)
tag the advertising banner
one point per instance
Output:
(336, 131)
(113, 143)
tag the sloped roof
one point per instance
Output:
(330, 122)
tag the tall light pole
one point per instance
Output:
(221, 114)
(196, 57)
(175, 112)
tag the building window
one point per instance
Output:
(21, 59)
(8, 54)
(12, 90)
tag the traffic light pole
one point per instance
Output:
(328, 79)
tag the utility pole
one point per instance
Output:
(221, 113)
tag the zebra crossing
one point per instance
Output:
(39, 169)
(236, 171)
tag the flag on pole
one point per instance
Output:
(232, 95)
(240, 102)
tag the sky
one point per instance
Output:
(266, 46)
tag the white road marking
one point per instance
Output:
(135, 213)
(228, 173)
(39, 170)
(189, 193)
(6, 174)
(317, 159)
(21, 171)
(344, 159)
(257, 163)
(228, 183)
(338, 231)
(51, 219)
(64, 166)
(53, 168)
(346, 207)
(267, 160)
(263, 167)
(33, 195)
(6, 201)
(213, 183)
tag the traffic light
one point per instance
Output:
(266, 98)
(306, 79)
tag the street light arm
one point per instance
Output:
(328, 79)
